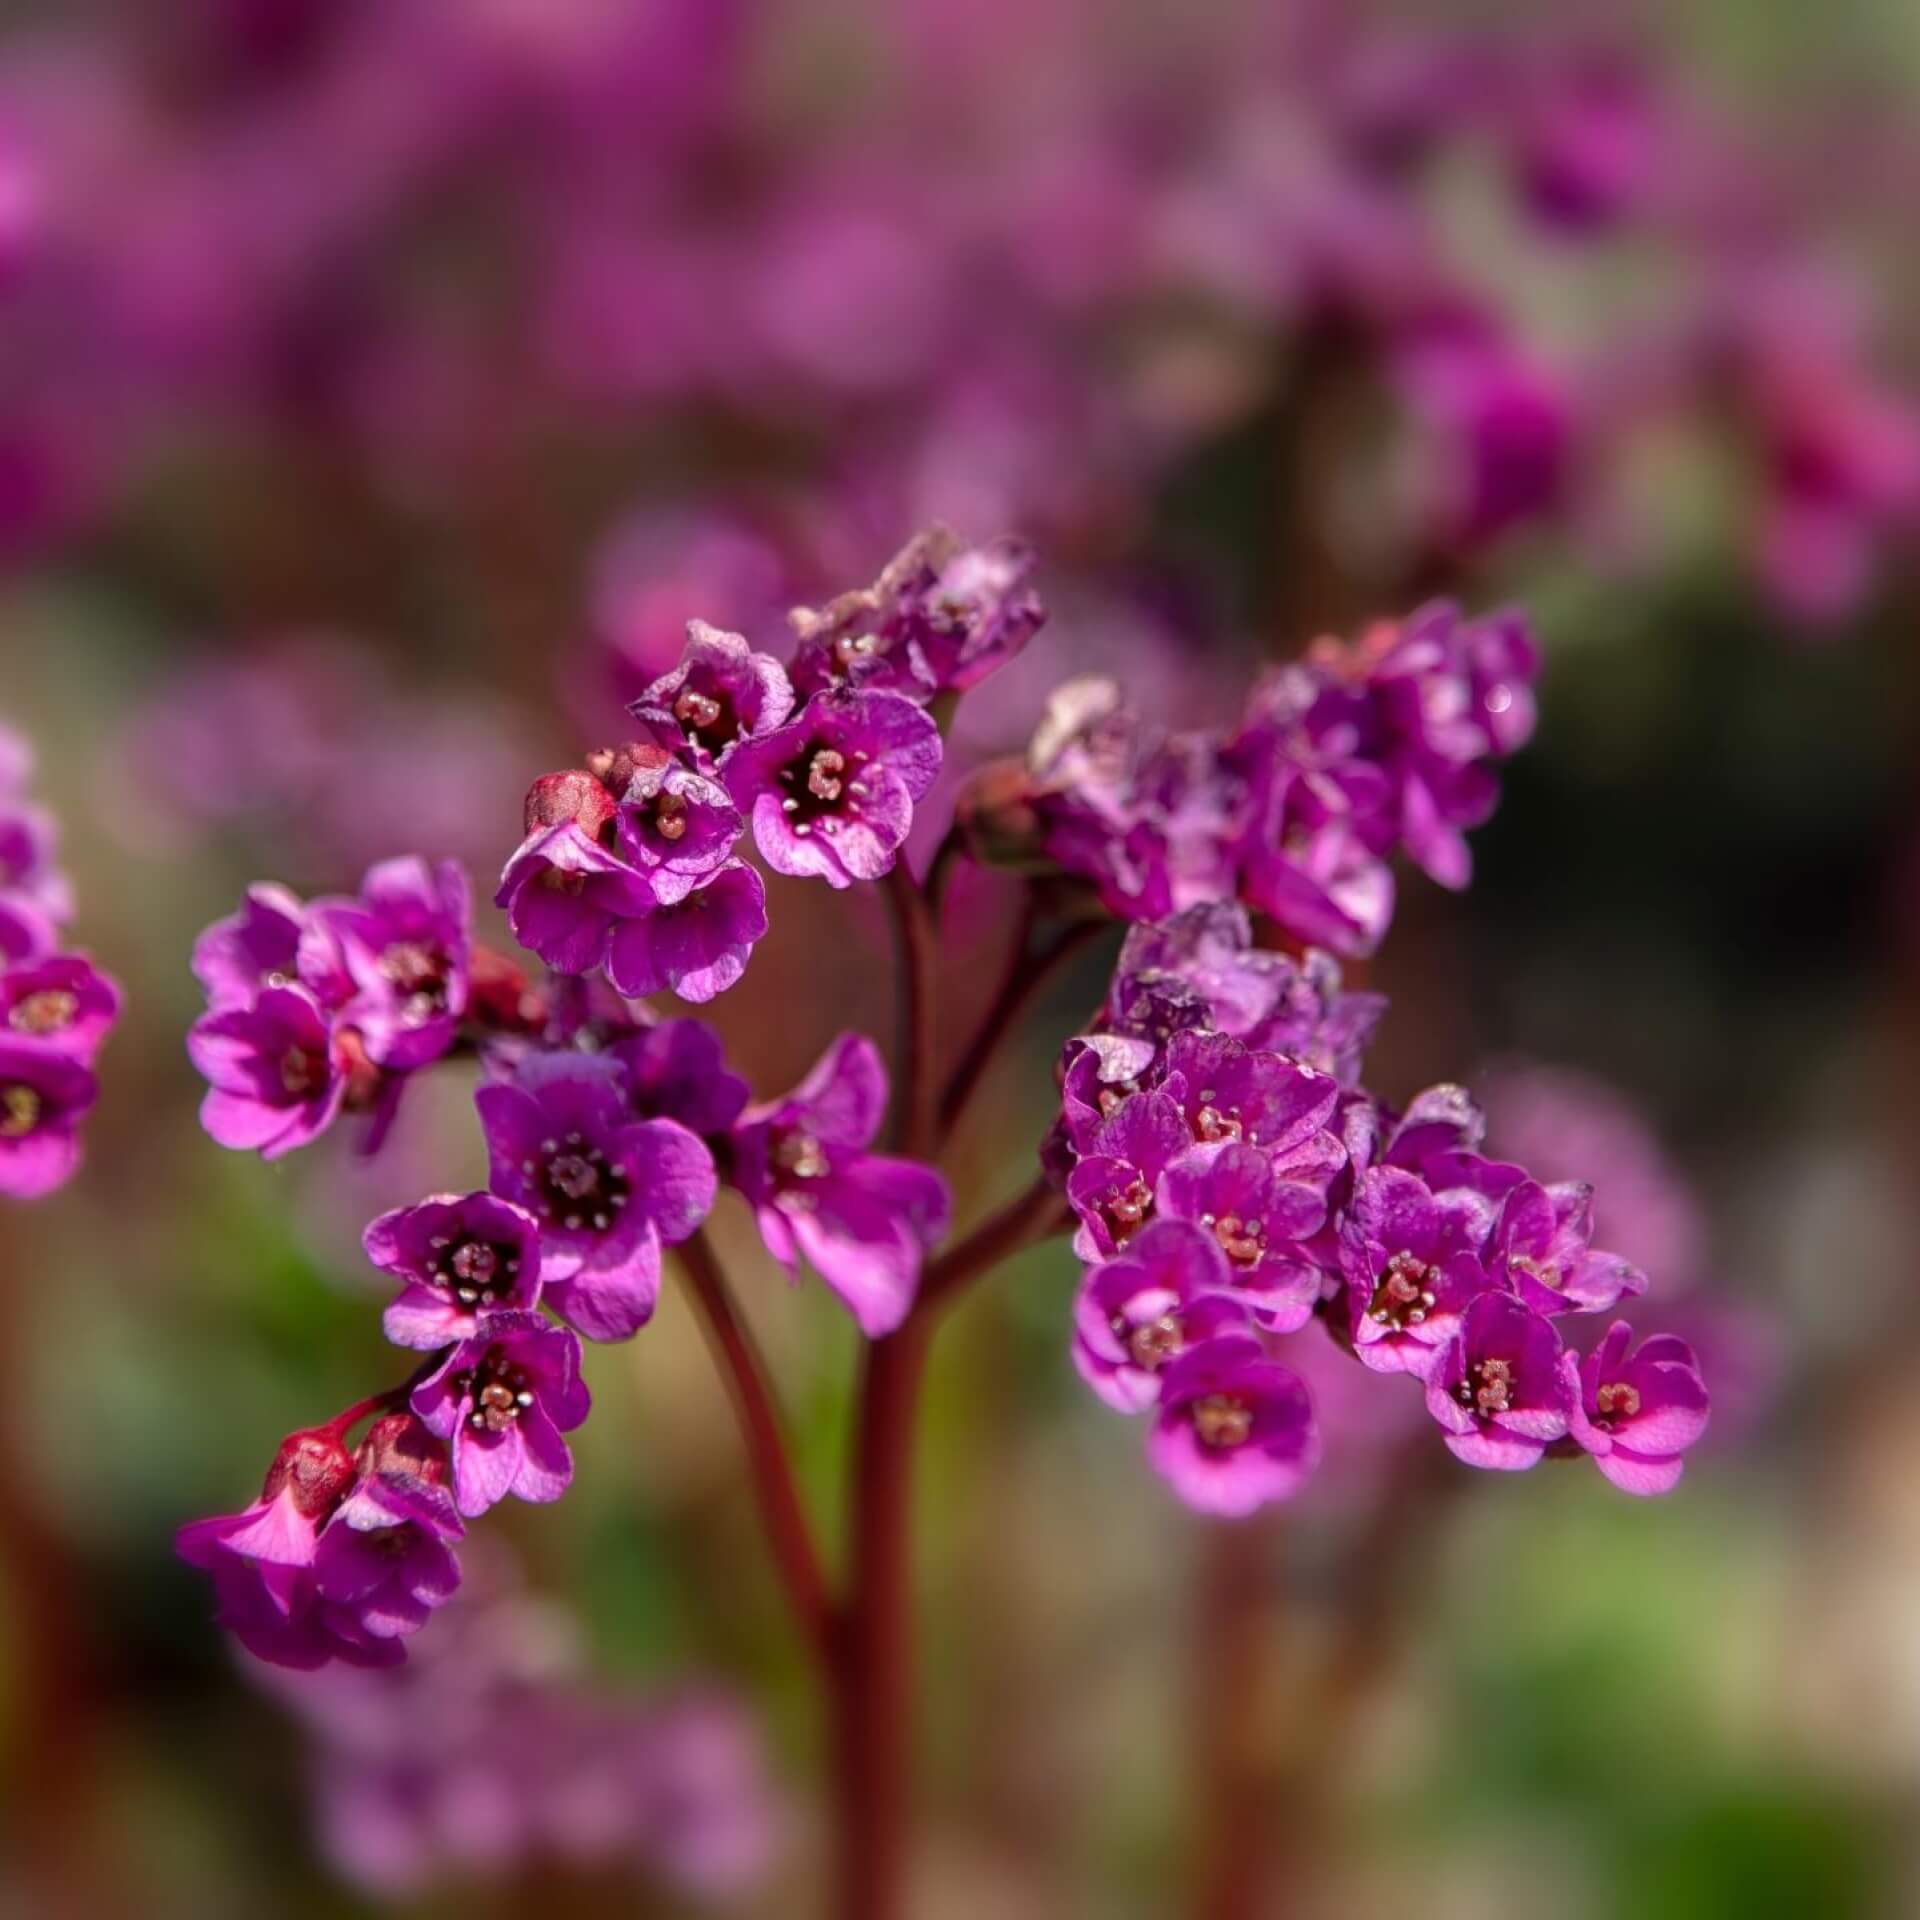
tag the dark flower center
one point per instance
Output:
(1404, 1296)
(500, 1392)
(578, 1186)
(392, 1543)
(1488, 1387)
(1546, 1272)
(302, 1071)
(1617, 1400)
(1213, 1124)
(798, 1156)
(20, 1110)
(1154, 1342)
(824, 788)
(51, 1010)
(706, 717)
(1126, 1209)
(419, 972)
(1244, 1242)
(478, 1273)
(666, 814)
(1223, 1420)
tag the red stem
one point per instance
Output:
(782, 1511)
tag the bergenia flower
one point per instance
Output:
(862, 1221)
(1410, 1259)
(461, 1259)
(675, 825)
(564, 894)
(407, 943)
(28, 865)
(1257, 1219)
(1497, 1386)
(608, 1190)
(1170, 1290)
(832, 794)
(697, 943)
(1235, 1430)
(45, 1094)
(1230, 1092)
(256, 947)
(64, 1002)
(1636, 1413)
(721, 694)
(501, 1401)
(678, 1071)
(275, 1077)
(25, 932)
(1113, 1189)
(1540, 1245)
(386, 1556)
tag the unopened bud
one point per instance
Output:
(577, 796)
(316, 1466)
(400, 1443)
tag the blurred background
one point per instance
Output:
(383, 383)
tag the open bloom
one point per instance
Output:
(607, 1189)
(407, 944)
(1637, 1412)
(862, 1221)
(64, 1002)
(1114, 1188)
(721, 694)
(675, 825)
(258, 946)
(1170, 1290)
(1235, 1430)
(461, 1258)
(386, 1557)
(44, 1096)
(678, 1071)
(832, 794)
(1410, 1259)
(274, 1074)
(564, 893)
(696, 942)
(1540, 1244)
(1497, 1387)
(1257, 1219)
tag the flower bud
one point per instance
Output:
(316, 1466)
(576, 795)
(616, 768)
(400, 1443)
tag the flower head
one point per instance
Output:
(696, 942)
(275, 1074)
(832, 794)
(44, 1096)
(1540, 1245)
(678, 1071)
(407, 945)
(565, 893)
(1497, 1386)
(1410, 1259)
(501, 1400)
(1636, 1412)
(460, 1258)
(1257, 1219)
(721, 694)
(64, 1002)
(675, 825)
(864, 1222)
(385, 1558)
(1234, 1431)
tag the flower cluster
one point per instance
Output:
(56, 1006)
(493, 1747)
(1233, 1183)
(1339, 761)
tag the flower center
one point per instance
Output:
(705, 718)
(419, 972)
(20, 1110)
(1127, 1208)
(824, 788)
(798, 1155)
(1546, 1272)
(1617, 1400)
(1488, 1387)
(51, 1010)
(666, 814)
(1212, 1125)
(1244, 1242)
(1223, 1420)
(499, 1390)
(1154, 1342)
(302, 1071)
(563, 880)
(1404, 1296)
(392, 1543)
(579, 1187)
(478, 1273)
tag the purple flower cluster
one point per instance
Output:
(56, 1006)
(494, 1747)
(630, 866)
(1233, 1183)
(1338, 761)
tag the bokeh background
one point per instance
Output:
(382, 385)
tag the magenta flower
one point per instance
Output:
(1113, 1189)
(1235, 1430)
(607, 1189)
(274, 1074)
(25, 932)
(1256, 1218)
(1229, 1092)
(45, 1094)
(862, 1221)
(675, 825)
(678, 1071)
(407, 943)
(1540, 1246)
(258, 946)
(721, 694)
(1410, 1259)
(697, 944)
(461, 1258)
(1312, 871)
(1636, 1413)
(1169, 1291)
(385, 1559)
(28, 866)
(942, 616)
(832, 794)
(64, 1002)
(501, 1401)
(1497, 1385)
(564, 894)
